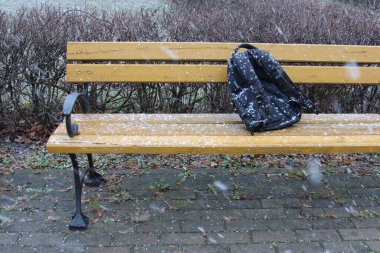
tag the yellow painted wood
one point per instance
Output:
(205, 51)
(214, 144)
(215, 118)
(216, 134)
(110, 129)
(174, 73)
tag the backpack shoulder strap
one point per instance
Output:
(243, 45)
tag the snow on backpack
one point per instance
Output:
(263, 94)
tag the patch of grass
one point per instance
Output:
(324, 194)
(185, 174)
(115, 188)
(366, 213)
(122, 197)
(36, 193)
(94, 206)
(321, 194)
(235, 195)
(3, 218)
(212, 189)
(107, 220)
(299, 174)
(6, 162)
(160, 187)
(39, 161)
(139, 216)
(180, 204)
(329, 170)
(104, 174)
(39, 190)
(230, 164)
(236, 191)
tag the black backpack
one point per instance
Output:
(263, 94)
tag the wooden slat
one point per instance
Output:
(227, 118)
(198, 51)
(214, 144)
(211, 134)
(172, 73)
(107, 129)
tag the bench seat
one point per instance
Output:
(216, 134)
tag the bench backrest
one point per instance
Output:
(201, 62)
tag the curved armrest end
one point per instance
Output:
(68, 105)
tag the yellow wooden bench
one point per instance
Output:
(151, 62)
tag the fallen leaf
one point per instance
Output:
(228, 218)
(296, 206)
(53, 218)
(66, 189)
(214, 164)
(23, 139)
(330, 216)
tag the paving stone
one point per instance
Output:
(345, 247)
(102, 228)
(300, 247)
(8, 238)
(158, 226)
(252, 248)
(374, 245)
(213, 204)
(228, 237)
(288, 224)
(227, 214)
(61, 248)
(179, 195)
(360, 234)
(263, 213)
(157, 249)
(246, 225)
(180, 215)
(240, 204)
(359, 202)
(208, 226)
(107, 250)
(88, 239)
(339, 212)
(352, 182)
(25, 226)
(201, 182)
(304, 213)
(17, 249)
(182, 238)
(120, 239)
(366, 222)
(279, 203)
(326, 203)
(204, 249)
(332, 223)
(318, 235)
(36, 239)
(273, 236)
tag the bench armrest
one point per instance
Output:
(68, 105)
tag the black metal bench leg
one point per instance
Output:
(79, 220)
(93, 178)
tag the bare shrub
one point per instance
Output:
(33, 45)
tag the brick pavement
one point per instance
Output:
(258, 212)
